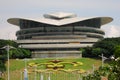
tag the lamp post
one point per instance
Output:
(8, 49)
(103, 59)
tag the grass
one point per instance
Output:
(17, 66)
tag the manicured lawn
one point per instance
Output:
(17, 66)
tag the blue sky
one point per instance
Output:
(36, 8)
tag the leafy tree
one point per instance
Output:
(87, 52)
(92, 52)
(107, 45)
(96, 52)
(95, 76)
(8, 42)
(14, 53)
(2, 67)
(2, 64)
(115, 70)
(111, 72)
(117, 51)
(20, 53)
(3, 58)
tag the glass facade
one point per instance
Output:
(30, 29)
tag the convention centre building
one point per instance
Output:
(58, 34)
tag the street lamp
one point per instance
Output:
(103, 59)
(8, 49)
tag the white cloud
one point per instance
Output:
(111, 30)
(8, 32)
(39, 4)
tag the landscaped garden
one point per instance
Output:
(63, 68)
(80, 65)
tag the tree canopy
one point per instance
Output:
(14, 53)
(105, 46)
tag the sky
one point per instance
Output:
(34, 9)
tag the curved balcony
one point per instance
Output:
(89, 29)
(47, 41)
(48, 46)
(42, 31)
(56, 29)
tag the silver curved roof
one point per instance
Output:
(65, 19)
